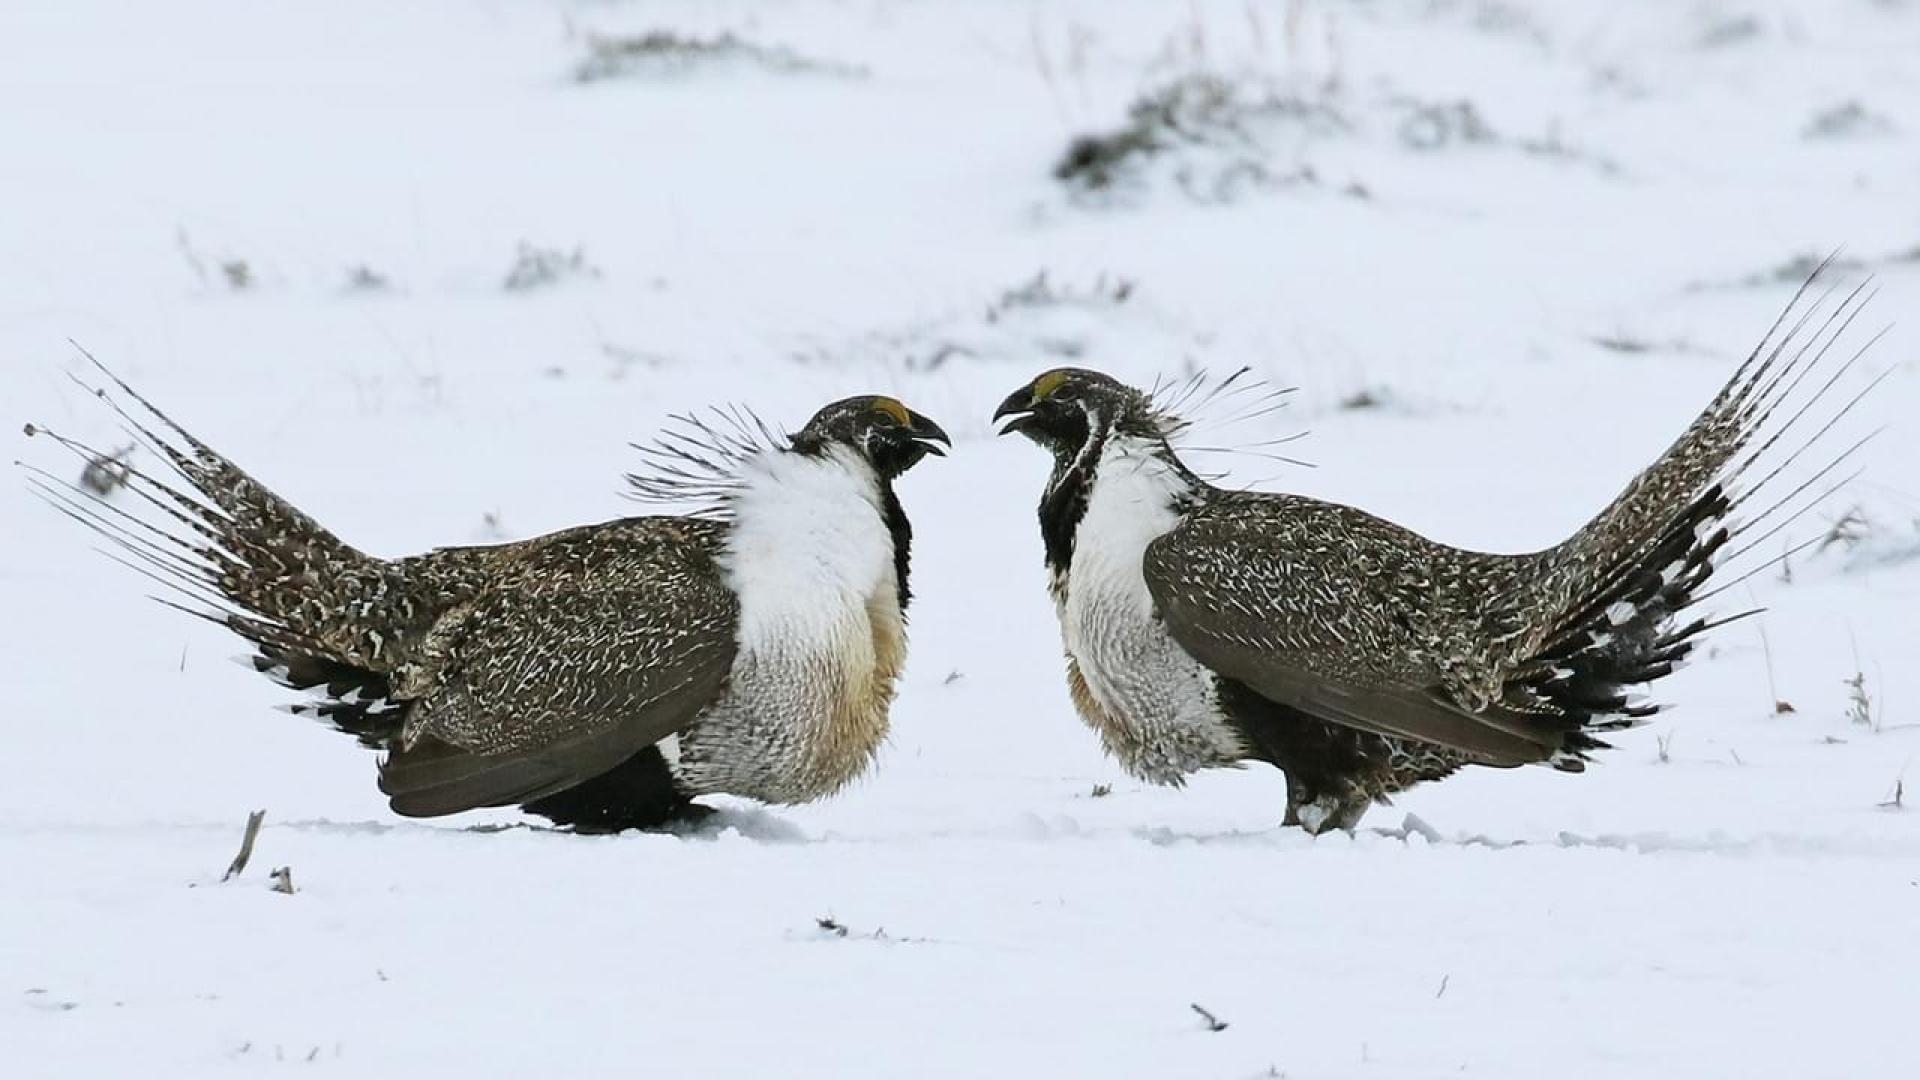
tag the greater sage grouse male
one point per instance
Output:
(1206, 627)
(603, 676)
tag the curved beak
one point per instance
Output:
(927, 435)
(1019, 406)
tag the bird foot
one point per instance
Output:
(677, 819)
(1326, 813)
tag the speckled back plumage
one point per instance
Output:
(491, 675)
(1504, 658)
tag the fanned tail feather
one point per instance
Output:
(226, 549)
(1616, 596)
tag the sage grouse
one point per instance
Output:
(602, 676)
(1206, 627)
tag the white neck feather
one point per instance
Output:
(809, 543)
(821, 637)
(1132, 503)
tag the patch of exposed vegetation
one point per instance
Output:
(1553, 145)
(1386, 400)
(668, 53)
(1040, 291)
(1365, 398)
(1224, 131)
(235, 273)
(1622, 343)
(1798, 268)
(1217, 138)
(1847, 120)
(362, 278)
(1723, 30)
(1860, 539)
(832, 928)
(538, 267)
(107, 473)
(1626, 343)
(1428, 127)
(1044, 314)
(626, 358)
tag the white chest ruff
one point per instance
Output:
(821, 635)
(1155, 706)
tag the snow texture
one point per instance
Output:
(1504, 251)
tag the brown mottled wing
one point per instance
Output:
(1325, 609)
(591, 652)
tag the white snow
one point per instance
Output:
(1535, 294)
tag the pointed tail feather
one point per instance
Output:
(1609, 602)
(323, 616)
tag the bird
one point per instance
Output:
(1206, 627)
(602, 677)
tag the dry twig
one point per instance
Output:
(1213, 1022)
(239, 863)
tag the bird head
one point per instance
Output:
(888, 435)
(1066, 408)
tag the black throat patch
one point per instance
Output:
(1064, 503)
(902, 531)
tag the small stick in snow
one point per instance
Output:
(1442, 992)
(1781, 706)
(283, 879)
(1213, 1022)
(1859, 702)
(239, 863)
(1899, 799)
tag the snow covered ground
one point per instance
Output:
(1504, 251)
